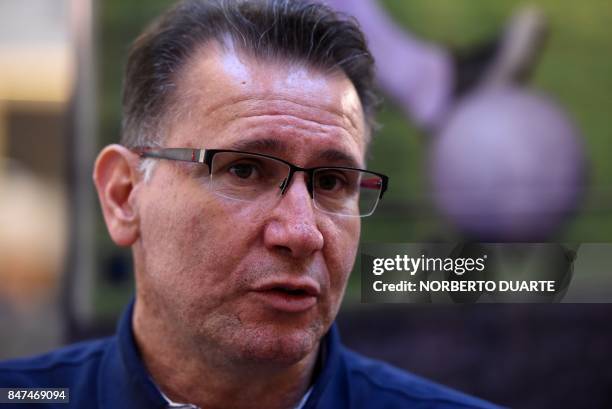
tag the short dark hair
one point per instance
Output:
(298, 30)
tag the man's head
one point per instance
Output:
(302, 32)
(260, 280)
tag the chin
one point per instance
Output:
(273, 345)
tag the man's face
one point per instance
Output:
(251, 280)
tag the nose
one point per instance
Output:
(292, 227)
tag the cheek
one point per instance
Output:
(342, 240)
(172, 234)
(193, 242)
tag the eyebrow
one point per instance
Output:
(266, 144)
(336, 156)
(269, 145)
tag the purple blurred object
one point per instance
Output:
(508, 165)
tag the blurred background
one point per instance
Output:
(62, 279)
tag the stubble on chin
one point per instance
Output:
(270, 343)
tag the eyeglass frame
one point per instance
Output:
(205, 156)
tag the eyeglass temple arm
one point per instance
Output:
(180, 154)
(375, 183)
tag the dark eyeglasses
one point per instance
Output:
(250, 177)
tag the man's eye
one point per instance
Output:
(329, 182)
(243, 170)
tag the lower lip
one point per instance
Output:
(282, 301)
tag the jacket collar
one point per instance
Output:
(124, 381)
(330, 385)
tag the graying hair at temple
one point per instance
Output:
(296, 30)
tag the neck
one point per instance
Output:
(195, 374)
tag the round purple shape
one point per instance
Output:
(508, 165)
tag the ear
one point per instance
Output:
(116, 176)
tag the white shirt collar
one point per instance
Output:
(176, 405)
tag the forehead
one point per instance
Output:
(223, 95)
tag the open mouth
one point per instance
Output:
(298, 292)
(287, 298)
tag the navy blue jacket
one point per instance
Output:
(109, 374)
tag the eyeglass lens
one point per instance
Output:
(246, 177)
